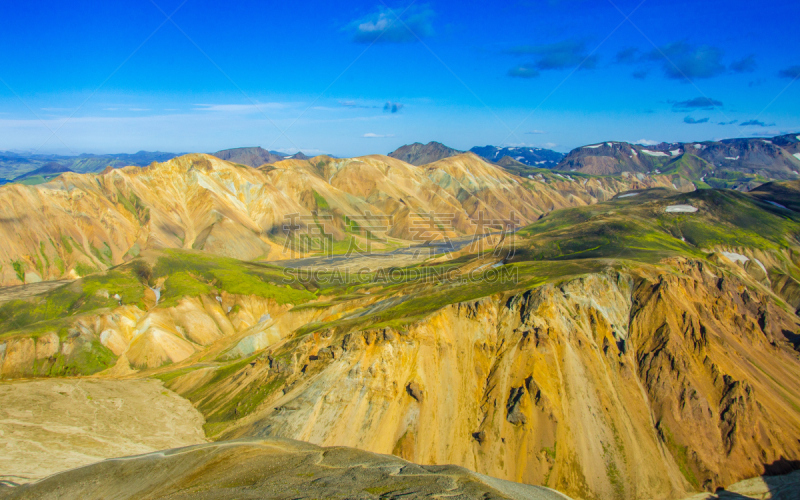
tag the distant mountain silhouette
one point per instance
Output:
(256, 156)
(533, 157)
(422, 154)
(46, 169)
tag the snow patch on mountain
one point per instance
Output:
(654, 153)
(681, 209)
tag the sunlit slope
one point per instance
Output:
(271, 468)
(639, 347)
(81, 223)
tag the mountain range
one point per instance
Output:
(37, 168)
(18, 165)
(740, 164)
(733, 163)
(624, 335)
(421, 154)
(80, 223)
(533, 157)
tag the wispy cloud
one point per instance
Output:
(641, 74)
(790, 72)
(535, 132)
(628, 55)
(680, 60)
(692, 121)
(755, 123)
(560, 55)
(698, 103)
(646, 142)
(240, 108)
(370, 135)
(355, 105)
(386, 25)
(744, 65)
(728, 123)
(524, 71)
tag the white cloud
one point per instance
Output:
(536, 132)
(370, 135)
(241, 108)
(646, 142)
(393, 26)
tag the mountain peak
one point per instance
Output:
(422, 154)
(250, 156)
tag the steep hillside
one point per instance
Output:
(79, 224)
(610, 158)
(780, 194)
(741, 164)
(422, 154)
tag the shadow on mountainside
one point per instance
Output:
(781, 481)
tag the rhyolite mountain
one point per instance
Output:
(78, 224)
(646, 347)
(18, 167)
(634, 337)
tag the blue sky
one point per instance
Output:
(367, 77)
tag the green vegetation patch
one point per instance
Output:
(321, 202)
(134, 205)
(233, 276)
(638, 228)
(681, 455)
(19, 269)
(73, 299)
(86, 359)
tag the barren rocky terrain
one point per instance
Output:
(51, 425)
(272, 468)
